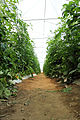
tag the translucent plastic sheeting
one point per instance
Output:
(23, 78)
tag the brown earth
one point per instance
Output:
(41, 98)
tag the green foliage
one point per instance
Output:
(65, 90)
(4, 91)
(16, 49)
(63, 51)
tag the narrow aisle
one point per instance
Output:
(34, 101)
(39, 81)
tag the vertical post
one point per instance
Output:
(44, 19)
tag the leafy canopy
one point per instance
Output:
(63, 51)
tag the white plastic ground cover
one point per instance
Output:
(23, 78)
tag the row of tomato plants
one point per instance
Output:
(17, 57)
(63, 51)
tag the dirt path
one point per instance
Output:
(39, 82)
(36, 100)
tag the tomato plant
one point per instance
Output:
(63, 51)
(16, 49)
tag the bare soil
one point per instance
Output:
(42, 98)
